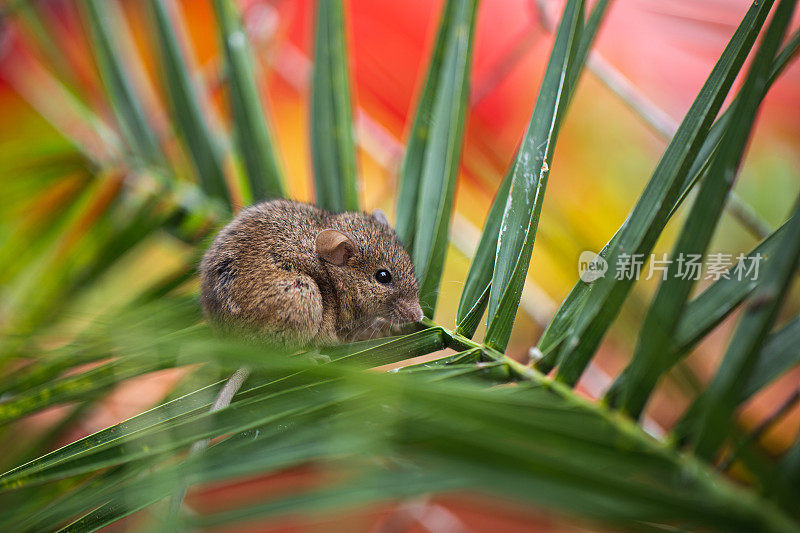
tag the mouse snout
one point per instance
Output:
(409, 310)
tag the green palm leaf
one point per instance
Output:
(331, 116)
(430, 165)
(187, 107)
(701, 424)
(477, 286)
(778, 355)
(127, 107)
(550, 343)
(529, 179)
(662, 317)
(252, 130)
(648, 218)
(579, 459)
(703, 313)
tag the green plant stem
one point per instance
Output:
(771, 516)
(222, 401)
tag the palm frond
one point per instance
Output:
(252, 130)
(430, 165)
(331, 117)
(648, 218)
(663, 316)
(188, 103)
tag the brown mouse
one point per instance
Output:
(293, 274)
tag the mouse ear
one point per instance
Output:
(335, 247)
(380, 216)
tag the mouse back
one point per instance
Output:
(354, 263)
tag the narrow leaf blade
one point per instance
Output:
(529, 180)
(190, 122)
(653, 355)
(474, 297)
(715, 406)
(441, 151)
(124, 101)
(550, 343)
(253, 135)
(332, 141)
(412, 165)
(778, 356)
(649, 216)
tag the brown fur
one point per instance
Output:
(264, 276)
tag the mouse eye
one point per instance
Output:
(383, 276)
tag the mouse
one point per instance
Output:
(292, 274)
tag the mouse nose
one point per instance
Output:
(409, 310)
